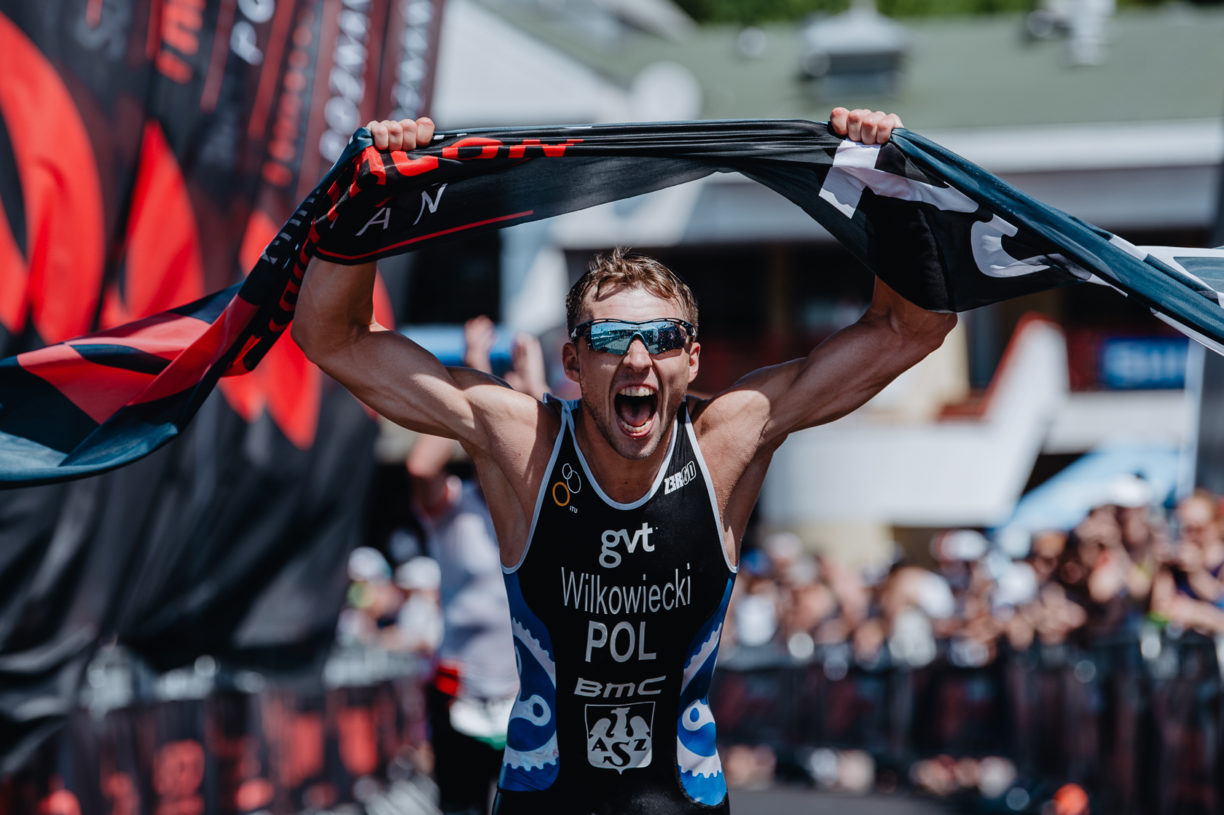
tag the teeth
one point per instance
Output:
(636, 390)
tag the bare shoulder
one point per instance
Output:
(731, 431)
(514, 424)
(738, 418)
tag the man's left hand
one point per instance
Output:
(861, 125)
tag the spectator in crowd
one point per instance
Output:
(811, 615)
(1045, 553)
(1051, 614)
(1188, 591)
(805, 602)
(1094, 572)
(1143, 530)
(850, 589)
(418, 625)
(475, 679)
(1054, 615)
(916, 606)
(373, 600)
(755, 606)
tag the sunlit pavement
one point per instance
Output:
(784, 800)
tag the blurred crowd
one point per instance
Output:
(1129, 562)
(395, 609)
(997, 632)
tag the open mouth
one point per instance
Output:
(636, 406)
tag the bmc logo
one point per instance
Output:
(675, 482)
(612, 690)
(609, 558)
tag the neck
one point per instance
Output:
(622, 479)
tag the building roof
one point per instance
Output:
(1134, 143)
(1161, 64)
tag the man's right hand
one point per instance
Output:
(401, 134)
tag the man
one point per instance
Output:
(618, 516)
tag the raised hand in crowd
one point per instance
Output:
(527, 373)
(479, 337)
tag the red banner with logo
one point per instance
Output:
(149, 150)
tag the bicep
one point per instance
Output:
(845, 371)
(405, 383)
(390, 373)
(769, 404)
(840, 374)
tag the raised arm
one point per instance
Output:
(852, 366)
(335, 327)
(744, 425)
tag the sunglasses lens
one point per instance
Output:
(608, 339)
(664, 337)
(615, 337)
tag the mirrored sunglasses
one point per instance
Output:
(615, 336)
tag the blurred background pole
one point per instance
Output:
(1205, 390)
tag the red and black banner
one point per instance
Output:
(149, 151)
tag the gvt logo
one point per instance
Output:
(609, 558)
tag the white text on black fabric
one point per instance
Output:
(613, 690)
(583, 591)
(678, 480)
(623, 641)
(609, 558)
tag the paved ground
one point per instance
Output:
(799, 801)
(419, 798)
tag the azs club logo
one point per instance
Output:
(618, 736)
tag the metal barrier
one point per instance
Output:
(204, 741)
(1136, 721)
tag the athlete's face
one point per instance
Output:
(631, 397)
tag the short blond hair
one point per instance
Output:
(620, 268)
